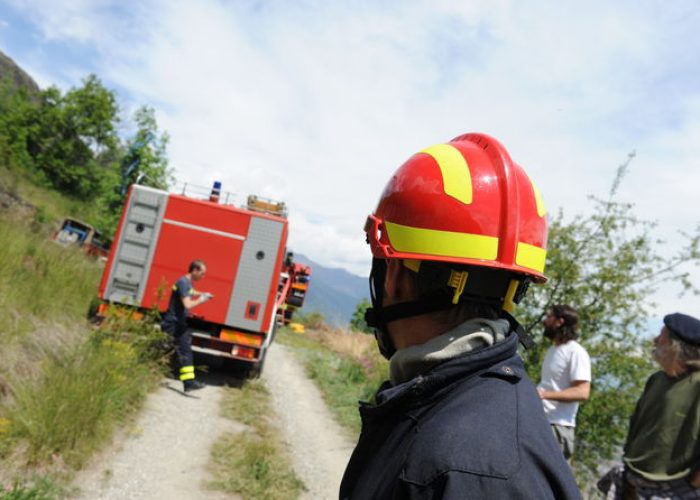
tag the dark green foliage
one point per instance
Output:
(17, 111)
(73, 136)
(143, 160)
(68, 141)
(606, 265)
(146, 152)
(357, 322)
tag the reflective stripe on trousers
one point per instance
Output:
(187, 373)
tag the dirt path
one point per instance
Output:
(166, 452)
(320, 447)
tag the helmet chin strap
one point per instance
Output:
(373, 315)
(378, 316)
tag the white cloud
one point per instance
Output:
(317, 103)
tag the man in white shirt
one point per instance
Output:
(566, 375)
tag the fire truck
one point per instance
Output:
(296, 277)
(254, 281)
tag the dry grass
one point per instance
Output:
(359, 346)
(22, 355)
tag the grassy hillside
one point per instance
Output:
(24, 200)
(63, 386)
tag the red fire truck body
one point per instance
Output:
(160, 233)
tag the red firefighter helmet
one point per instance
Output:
(463, 202)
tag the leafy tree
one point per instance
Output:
(92, 110)
(145, 160)
(606, 265)
(357, 322)
(70, 142)
(72, 137)
(17, 112)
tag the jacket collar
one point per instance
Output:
(495, 359)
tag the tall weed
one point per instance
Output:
(77, 401)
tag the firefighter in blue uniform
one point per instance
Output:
(458, 235)
(183, 298)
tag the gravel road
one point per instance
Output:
(320, 447)
(166, 452)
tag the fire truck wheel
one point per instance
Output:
(256, 370)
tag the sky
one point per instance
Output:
(318, 102)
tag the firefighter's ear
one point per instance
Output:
(398, 283)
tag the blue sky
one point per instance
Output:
(317, 103)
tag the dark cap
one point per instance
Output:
(685, 327)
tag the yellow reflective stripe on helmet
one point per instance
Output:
(455, 172)
(531, 257)
(541, 211)
(443, 243)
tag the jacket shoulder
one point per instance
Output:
(473, 429)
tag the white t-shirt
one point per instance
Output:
(563, 364)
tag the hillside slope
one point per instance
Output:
(333, 292)
(10, 69)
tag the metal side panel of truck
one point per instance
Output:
(160, 233)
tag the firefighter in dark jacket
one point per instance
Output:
(183, 298)
(458, 235)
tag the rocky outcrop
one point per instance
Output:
(10, 69)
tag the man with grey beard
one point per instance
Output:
(662, 451)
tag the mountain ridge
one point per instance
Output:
(333, 291)
(20, 78)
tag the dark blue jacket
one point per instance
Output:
(175, 318)
(472, 427)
